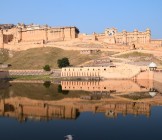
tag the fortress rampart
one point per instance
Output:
(19, 35)
(36, 33)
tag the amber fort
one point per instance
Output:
(16, 36)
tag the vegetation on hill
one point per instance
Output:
(4, 55)
(134, 54)
(140, 57)
(64, 62)
(37, 58)
(47, 68)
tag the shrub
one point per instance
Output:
(47, 68)
(64, 62)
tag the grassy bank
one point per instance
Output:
(31, 77)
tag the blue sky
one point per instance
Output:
(88, 15)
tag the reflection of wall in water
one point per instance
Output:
(23, 109)
(39, 110)
(109, 85)
(112, 110)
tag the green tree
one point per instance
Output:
(64, 62)
(47, 68)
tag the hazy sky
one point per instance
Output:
(88, 15)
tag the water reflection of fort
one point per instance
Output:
(108, 85)
(23, 109)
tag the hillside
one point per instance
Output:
(4, 55)
(38, 57)
(139, 58)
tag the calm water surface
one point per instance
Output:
(48, 112)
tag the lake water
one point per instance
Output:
(87, 110)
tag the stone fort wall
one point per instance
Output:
(112, 36)
(36, 33)
(21, 33)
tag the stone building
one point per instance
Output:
(112, 36)
(126, 38)
(101, 72)
(35, 33)
(12, 35)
